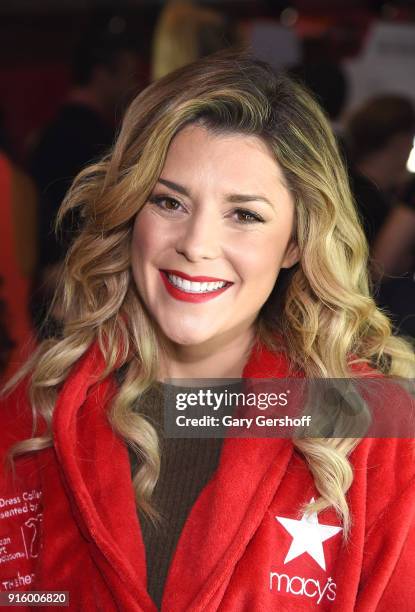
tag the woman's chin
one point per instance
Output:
(188, 338)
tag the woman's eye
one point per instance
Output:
(165, 203)
(247, 216)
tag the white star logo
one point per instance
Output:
(308, 536)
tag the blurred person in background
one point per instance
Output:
(379, 137)
(394, 249)
(394, 253)
(184, 33)
(18, 254)
(104, 72)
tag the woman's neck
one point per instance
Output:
(215, 359)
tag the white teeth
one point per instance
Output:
(192, 287)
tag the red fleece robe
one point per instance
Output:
(68, 522)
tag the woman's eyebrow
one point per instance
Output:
(235, 198)
(245, 197)
(175, 186)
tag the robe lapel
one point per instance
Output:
(96, 472)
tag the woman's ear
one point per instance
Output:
(292, 255)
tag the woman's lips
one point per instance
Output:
(179, 294)
(196, 279)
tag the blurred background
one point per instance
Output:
(68, 70)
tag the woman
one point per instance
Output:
(219, 241)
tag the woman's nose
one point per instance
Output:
(200, 238)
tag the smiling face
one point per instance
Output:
(208, 245)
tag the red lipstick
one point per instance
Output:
(178, 294)
(196, 279)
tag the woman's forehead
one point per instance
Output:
(197, 153)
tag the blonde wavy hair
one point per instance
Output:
(322, 308)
